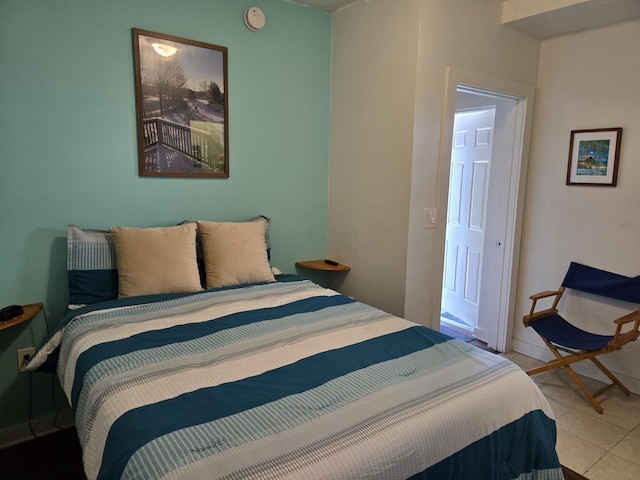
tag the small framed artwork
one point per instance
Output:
(594, 156)
(182, 106)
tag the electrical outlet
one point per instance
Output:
(24, 355)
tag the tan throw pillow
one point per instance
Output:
(235, 253)
(156, 260)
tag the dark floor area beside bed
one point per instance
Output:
(59, 456)
(52, 456)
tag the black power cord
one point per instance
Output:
(53, 397)
(33, 434)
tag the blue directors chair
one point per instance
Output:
(570, 344)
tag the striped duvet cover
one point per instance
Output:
(291, 380)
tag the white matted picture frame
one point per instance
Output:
(593, 157)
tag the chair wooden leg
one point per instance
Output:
(592, 399)
(563, 361)
(544, 368)
(612, 377)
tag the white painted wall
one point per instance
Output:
(586, 80)
(466, 35)
(388, 84)
(374, 51)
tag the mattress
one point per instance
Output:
(290, 380)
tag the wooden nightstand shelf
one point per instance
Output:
(321, 265)
(29, 311)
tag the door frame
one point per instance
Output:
(524, 95)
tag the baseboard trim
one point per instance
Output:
(530, 350)
(41, 426)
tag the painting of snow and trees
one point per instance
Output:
(181, 98)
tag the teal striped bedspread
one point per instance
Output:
(291, 380)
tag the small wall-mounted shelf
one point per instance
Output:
(322, 265)
(29, 311)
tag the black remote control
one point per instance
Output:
(331, 262)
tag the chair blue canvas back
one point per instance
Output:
(600, 282)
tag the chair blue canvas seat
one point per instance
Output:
(560, 332)
(559, 335)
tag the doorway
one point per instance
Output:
(484, 160)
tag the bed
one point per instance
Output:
(282, 378)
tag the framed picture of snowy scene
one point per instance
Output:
(182, 108)
(594, 156)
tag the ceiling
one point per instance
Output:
(567, 17)
(571, 16)
(328, 5)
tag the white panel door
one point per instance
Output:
(466, 218)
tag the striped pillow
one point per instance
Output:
(91, 266)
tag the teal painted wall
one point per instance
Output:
(68, 143)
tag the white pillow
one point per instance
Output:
(235, 253)
(156, 260)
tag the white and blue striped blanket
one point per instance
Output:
(291, 380)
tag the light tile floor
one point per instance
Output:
(599, 446)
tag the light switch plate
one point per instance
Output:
(429, 217)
